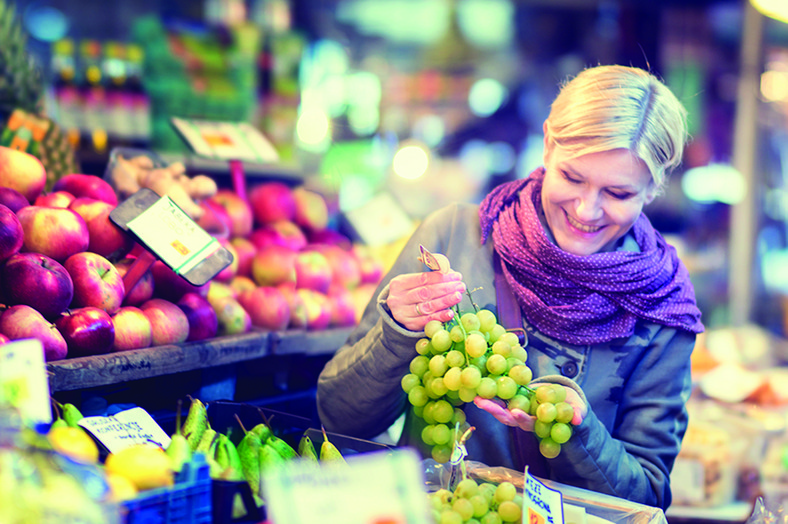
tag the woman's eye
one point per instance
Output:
(620, 196)
(570, 178)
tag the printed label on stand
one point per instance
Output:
(226, 140)
(23, 380)
(541, 505)
(125, 429)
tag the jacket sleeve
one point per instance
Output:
(634, 460)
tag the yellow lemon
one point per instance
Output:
(147, 466)
(74, 442)
(120, 488)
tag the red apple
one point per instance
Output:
(311, 210)
(13, 199)
(97, 282)
(23, 321)
(90, 186)
(282, 233)
(345, 270)
(142, 290)
(53, 231)
(12, 236)
(362, 296)
(217, 290)
(107, 239)
(232, 316)
(87, 207)
(273, 265)
(318, 309)
(132, 329)
(238, 210)
(214, 219)
(37, 281)
(312, 271)
(370, 265)
(267, 307)
(54, 199)
(298, 314)
(272, 201)
(169, 324)
(329, 236)
(87, 331)
(246, 251)
(240, 284)
(227, 274)
(203, 323)
(343, 309)
(169, 285)
(22, 172)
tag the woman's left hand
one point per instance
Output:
(519, 418)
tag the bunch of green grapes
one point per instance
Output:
(472, 355)
(553, 414)
(476, 503)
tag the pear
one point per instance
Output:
(196, 422)
(179, 449)
(306, 448)
(284, 449)
(249, 456)
(71, 414)
(328, 451)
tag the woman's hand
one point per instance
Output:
(519, 418)
(416, 298)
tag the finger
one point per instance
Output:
(523, 419)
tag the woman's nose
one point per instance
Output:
(588, 207)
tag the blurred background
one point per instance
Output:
(396, 107)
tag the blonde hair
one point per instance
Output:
(613, 107)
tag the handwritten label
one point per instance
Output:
(125, 429)
(541, 505)
(373, 488)
(23, 380)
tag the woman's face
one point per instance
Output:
(591, 201)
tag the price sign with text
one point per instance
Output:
(541, 505)
(125, 429)
(23, 380)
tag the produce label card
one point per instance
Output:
(429, 259)
(226, 140)
(125, 429)
(385, 487)
(172, 234)
(541, 505)
(23, 380)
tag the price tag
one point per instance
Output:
(429, 259)
(175, 238)
(225, 140)
(23, 380)
(125, 429)
(541, 505)
(385, 487)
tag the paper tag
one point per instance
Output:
(687, 480)
(541, 505)
(23, 380)
(173, 236)
(429, 259)
(125, 429)
(385, 487)
(226, 140)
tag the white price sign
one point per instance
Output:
(125, 429)
(23, 380)
(541, 505)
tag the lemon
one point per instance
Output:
(147, 466)
(120, 488)
(74, 442)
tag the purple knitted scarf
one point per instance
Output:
(584, 299)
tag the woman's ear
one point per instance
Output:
(548, 144)
(651, 192)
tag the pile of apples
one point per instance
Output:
(62, 263)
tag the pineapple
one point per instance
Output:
(21, 90)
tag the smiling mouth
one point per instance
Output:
(582, 227)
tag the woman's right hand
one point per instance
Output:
(416, 298)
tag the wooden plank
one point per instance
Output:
(308, 342)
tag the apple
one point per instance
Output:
(227, 274)
(267, 307)
(87, 331)
(23, 321)
(237, 209)
(311, 210)
(362, 296)
(107, 239)
(13, 199)
(370, 265)
(246, 251)
(273, 265)
(312, 270)
(12, 236)
(90, 186)
(54, 199)
(241, 284)
(169, 285)
(142, 290)
(217, 290)
(37, 281)
(232, 316)
(272, 201)
(282, 233)
(132, 329)
(345, 270)
(342, 306)
(22, 172)
(318, 309)
(329, 236)
(169, 324)
(203, 323)
(214, 219)
(4, 339)
(53, 231)
(87, 207)
(298, 314)
(97, 282)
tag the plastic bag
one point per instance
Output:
(763, 515)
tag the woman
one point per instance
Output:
(607, 306)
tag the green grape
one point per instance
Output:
(475, 345)
(423, 346)
(455, 359)
(546, 412)
(511, 362)
(509, 511)
(454, 400)
(522, 375)
(444, 496)
(487, 490)
(418, 396)
(427, 413)
(496, 364)
(441, 454)
(438, 366)
(507, 387)
(518, 402)
(505, 491)
(409, 381)
(452, 379)
(520, 353)
(502, 347)
(449, 516)
(487, 388)
(463, 507)
(496, 332)
(458, 417)
(457, 334)
(549, 447)
(426, 435)
(467, 394)
(480, 505)
(470, 322)
(441, 434)
(487, 320)
(491, 518)
(418, 411)
(564, 412)
(480, 362)
(419, 365)
(533, 406)
(542, 429)
(442, 411)
(466, 488)
(441, 341)
(471, 377)
(438, 386)
(511, 338)
(518, 499)
(560, 393)
(432, 327)
(560, 432)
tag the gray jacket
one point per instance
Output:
(636, 387)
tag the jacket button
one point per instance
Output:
(569, 369)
